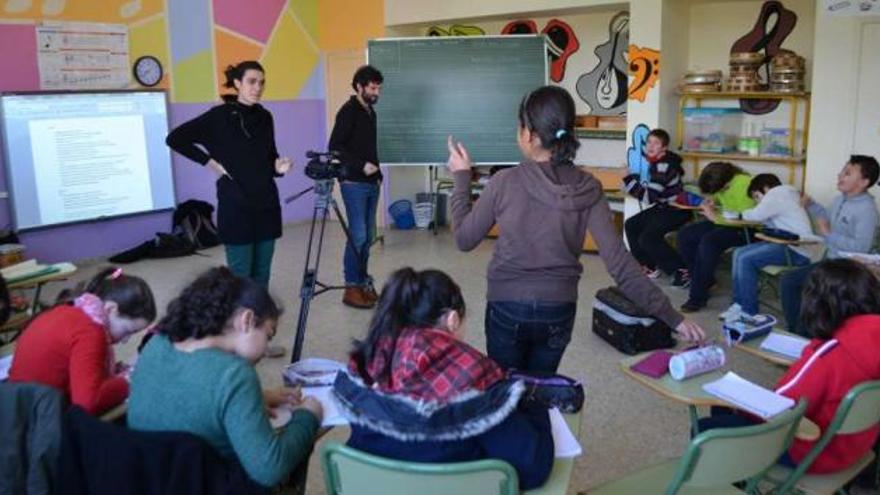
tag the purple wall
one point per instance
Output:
(299, 126)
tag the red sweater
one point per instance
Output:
(65, 349)
(825, 373)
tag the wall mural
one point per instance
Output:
(605, 87)
(562, 40)
(636, 160)
(644, 66)
(455, 30)
(773, 26)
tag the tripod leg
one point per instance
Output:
(310, 278)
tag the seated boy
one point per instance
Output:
(646, 231)
(778, 207)
(850, 227)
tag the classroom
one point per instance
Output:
(403, 246)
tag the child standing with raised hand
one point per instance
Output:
(544, 208)
(70, 347)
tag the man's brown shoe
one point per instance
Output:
(371, 293)
(356, 297)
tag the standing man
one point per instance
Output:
(354, 138)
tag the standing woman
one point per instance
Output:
(237, 141)
(544, 208)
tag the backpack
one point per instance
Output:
(192, 219)
(623, 324)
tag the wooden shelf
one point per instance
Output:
(754, 95)
(742, 157)
(593, 133)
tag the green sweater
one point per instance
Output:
(217, 396)
(735, 197)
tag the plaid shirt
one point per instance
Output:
(432, 365)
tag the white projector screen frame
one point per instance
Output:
(141, 172)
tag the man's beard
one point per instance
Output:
(370, 99)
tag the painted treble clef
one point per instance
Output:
(605, 87)
(773, 26)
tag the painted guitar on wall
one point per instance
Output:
(605, 87)
(773, 26)
(561, 42)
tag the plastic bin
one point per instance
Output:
(424, 215)
(775, 141)
(712, 130)
(402, 213)
(440, 202)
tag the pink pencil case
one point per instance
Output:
(654, 365)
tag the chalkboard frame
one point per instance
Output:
(450, 38)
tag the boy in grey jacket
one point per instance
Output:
(849, 225)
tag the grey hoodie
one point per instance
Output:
(853, 223)
(544, 212)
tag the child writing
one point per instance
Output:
(841, 302)
(850, 227)
(415, 391)
(70, 347)
(701, 244)
(646, 230)
(197, 375)
(779, 207)
(544, 208)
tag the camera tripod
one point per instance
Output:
(311, 287)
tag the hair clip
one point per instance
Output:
(560, 133)
(116, 274)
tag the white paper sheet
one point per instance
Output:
(748, 396)
(5, 365)
(787, 345)
(566, 444)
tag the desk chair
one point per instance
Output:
(716, 459)
(350, 471)
(858, 411)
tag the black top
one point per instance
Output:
(242, 139)
(354, 137)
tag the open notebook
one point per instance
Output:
(332, 416)
(748, 396)
(790, 346)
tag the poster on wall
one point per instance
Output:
(79, 55)
(852, 7)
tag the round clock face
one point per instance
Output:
(148, 71)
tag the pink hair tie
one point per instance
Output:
(116, 274)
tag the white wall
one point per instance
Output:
(836, 60)
(402, 12)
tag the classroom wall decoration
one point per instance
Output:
(605, 87)
(456, 30)
(562, 41)
(644, 66)
(772, 27)
(636, 161)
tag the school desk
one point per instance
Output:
(753, 347)
(560, 475)
(17, 320)
(690, 392)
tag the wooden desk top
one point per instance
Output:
(64, 272)
(690, 392)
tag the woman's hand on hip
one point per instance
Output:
(283, 165)
(459, 158)
(220, 170)
(370, 168)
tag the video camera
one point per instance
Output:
(323, 166)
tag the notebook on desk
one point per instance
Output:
(748, 396)
(790, 346)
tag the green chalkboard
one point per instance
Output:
(469, 86)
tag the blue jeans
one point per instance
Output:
(251, 260)
(747, 264)
(791, 287)
(528, 336)
(701, 245)
(360, 200)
